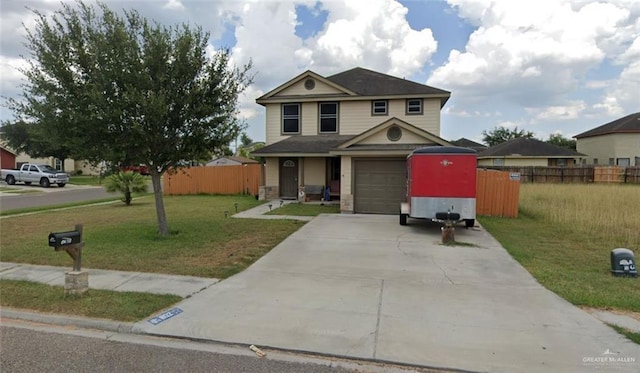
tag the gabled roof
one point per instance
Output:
(239, 159)
(528, 147)
(466, 143)
(359, 82)
(8, 150)
(307, 145)
(304, 75)
(628, 124)
(371, 83)
(394, 122)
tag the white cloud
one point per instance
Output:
(572, 110)
(173, 5)
(373, 34)
(531, 52)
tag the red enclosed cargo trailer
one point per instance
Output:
(441, 181)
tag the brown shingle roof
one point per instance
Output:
(319, 144)
(466, 143)
(371, 83)
(628, 124)
(527, 147)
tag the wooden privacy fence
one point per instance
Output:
(497, 193)
(577, 174)
(241, 179)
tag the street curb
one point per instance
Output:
(68, 320)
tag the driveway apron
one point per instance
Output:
(363, 286)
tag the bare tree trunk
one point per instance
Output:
(157, 193)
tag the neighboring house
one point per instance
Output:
(524, 151)
(351, 133)
(230, 161)
(69, 164)
(7, 158)
(613, 143)
(466, 143)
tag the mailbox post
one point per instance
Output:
(76, 281)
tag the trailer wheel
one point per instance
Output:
(10, 179)
(44, 182)
(469, 223)
(403, 219)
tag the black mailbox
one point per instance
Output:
(623, 263)
(62, 239)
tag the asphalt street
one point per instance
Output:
(36, 347)
(38, 196)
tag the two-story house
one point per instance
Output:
(350, 132)
(614, 143)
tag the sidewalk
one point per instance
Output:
(183, 286)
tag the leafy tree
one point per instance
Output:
(35, 140)
(499, 135)
(247, 146)
(126, 183)
(561, 141)
(130, 91)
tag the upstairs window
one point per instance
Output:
(414, 106)
(328, 117)
(379, 107)
(290, 118)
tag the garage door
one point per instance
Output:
(380, 185)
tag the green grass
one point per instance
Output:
(557, 239)
(121, 306)
(17, 190)
(203, 242)
(86, 180)
(632, 336)
(303, 209)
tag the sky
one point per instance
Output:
(545, 66)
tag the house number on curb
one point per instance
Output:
(165, 316)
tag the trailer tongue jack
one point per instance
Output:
(448, 219)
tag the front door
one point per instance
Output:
(289, 178)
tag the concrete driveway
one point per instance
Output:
(363, 286)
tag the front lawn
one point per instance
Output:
(203, 242)
(564, 235)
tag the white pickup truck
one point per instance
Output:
(28, 173)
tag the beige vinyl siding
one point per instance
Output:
(272, 172)
(615, 145)
(273, 130)
(355, 116)
(298, 89)
(407, 138)
(69, 164)
(310, 118)
(314, 171)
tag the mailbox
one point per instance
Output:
(62, 239)
(623, 263)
